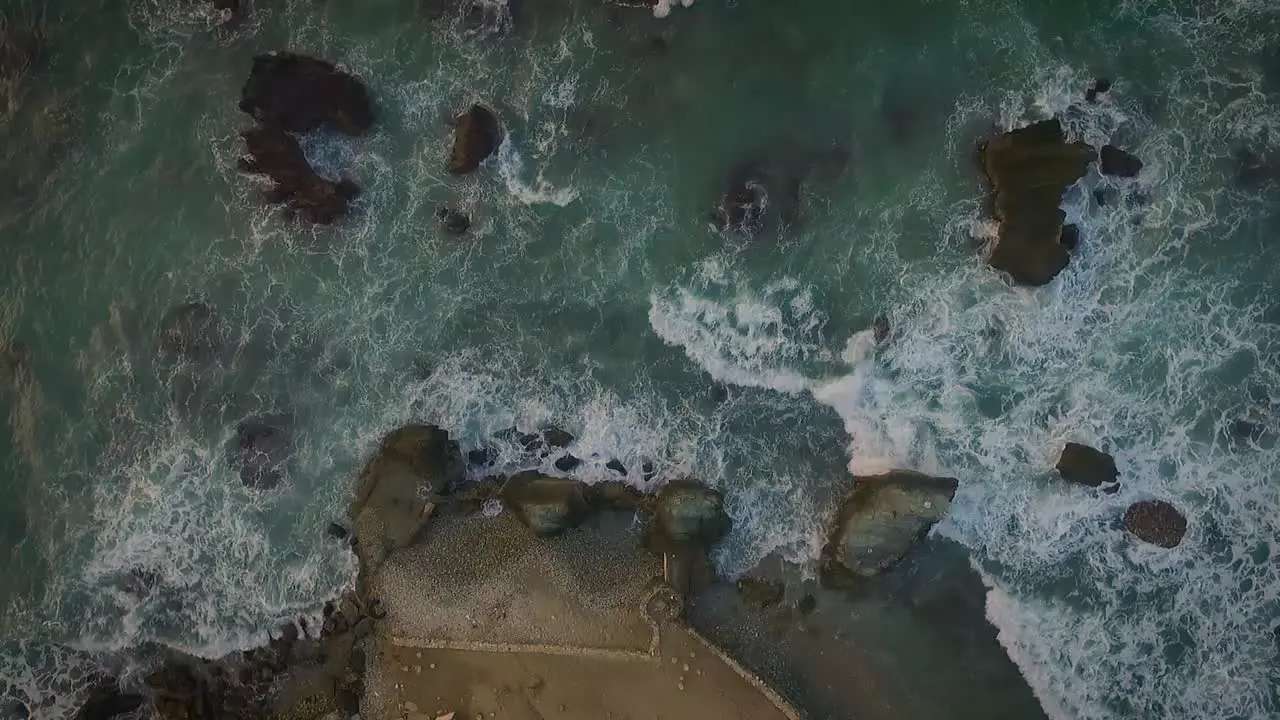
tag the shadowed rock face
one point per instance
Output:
(1029, 168)
(277, 154)
(1156, 522)
(191, 332)
(299, 94)
(881, 520)
(476, 135)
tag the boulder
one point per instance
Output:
(191, 332)
(686, 513)
(567, 462)
(615, 465)
(1119, 163)
(555, 437)
(260, 450)
(276, 154)
(1029, 168)
(546, 505)
(476, 135)
(614, 495)
(299, 94)
(1084, 465)
(880, 329)
(1156, 522)
(453, 221)
(398, 488)
(1070, 237)
(881, 520)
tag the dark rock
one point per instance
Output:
(348, 701)
(718, 393)
(613, 495)
(377, 610)
(1070, 237)
(363, 628)
(1119, 163)
(453, 221)
(647, 471)
(762, 594)
(1156, 522)
(616, 465)
(1100, 86)
(191, 332)
(141, 582)
(880, 329)
(807, 605)
(555, 437)
(336, 531)
(546, 505)
(398, 487)
(298, 94)
(106, 700)
(1084, 465)
(1111, 489)
(476, 135)
(276, 154)
(1029, 168)
(686, 512)
(566, 463)
(881, 520)
(482, 457)
(743, 205)
(260, 450)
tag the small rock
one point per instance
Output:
(556, 438)
(546, 505)
(1084, 465)
(336, 531)
(647, 471)
(1100, 86)
(567, 462)
(476, 135)
(1156, 522)
(1119, 163)
(483, 457)
(1070, 237)
(880, 329)
(616, 466)
(453, 221)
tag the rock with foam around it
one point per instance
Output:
(476, 135)
(1156, 522)
(299, 94)
(1084, 465)
(546, 505)
(687, 513)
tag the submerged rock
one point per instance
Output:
(453, 221)
(1119, 163)
(276, 154)
(1070, 237)
(191, 332)
(299, 94)
(1029, 168)
(1100, 86)
(398, 487)
(1084, 465)
(743, 205)
(260, 451)
(762, 594)
(881, 520)
(1156, 522)
(687, 513)
(614, 495)
(476, 135)
(880, 329)
(546, 505)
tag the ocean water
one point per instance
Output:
(592, 294)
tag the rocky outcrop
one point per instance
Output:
(261, 450)
(1029, 168)
(191, 332)
(1156, 522)
(546, 505)
(1084, 465)
(686, 513)
(881, 520)
(272, 152)
(476, 135)
(1119, 163)
(300, 94)
(398, 489)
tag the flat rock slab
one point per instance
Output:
(488, 582)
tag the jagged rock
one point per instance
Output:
(476, 135)
(686, 513)
(106, 700)
(762, 594)
(191, 332)
(546, 505)
(556, 438)
(482, 457)
(880, 329)
(1029, 168)
(1084, 465)
(397, 489)
(1156, 522)
(453, 221)
(276, 154)
(566, 463)
(1119, 163)
(299, 94)
(881, 520)
(261, 450)
(615, 465)
(613, 495)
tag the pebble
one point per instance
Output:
(432, 666)
(418, 655)
(411, 707)
(686, 667)
(404, 668)
(417, 669)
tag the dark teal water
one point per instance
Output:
(593, 295)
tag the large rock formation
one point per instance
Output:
(277, 154)
(398, 489)
(299, 94)
(1084, 465)
(476, 135)
(881, 520)
(1156, 522)
(546, 505)
(1029, 168)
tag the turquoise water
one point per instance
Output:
(592, 294)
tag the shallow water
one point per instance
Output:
(594, 296)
